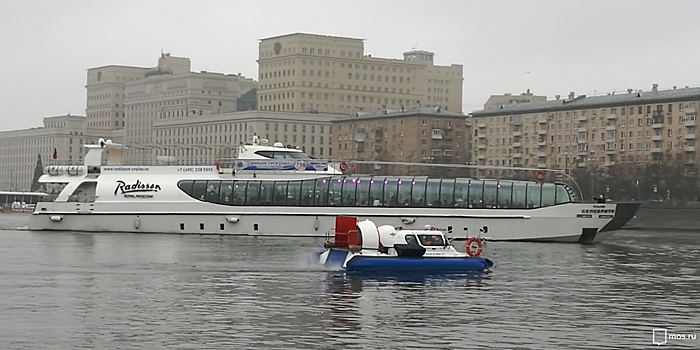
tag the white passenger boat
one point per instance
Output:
(277, 191)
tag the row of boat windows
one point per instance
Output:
(379, 191)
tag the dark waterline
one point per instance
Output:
(63, 290)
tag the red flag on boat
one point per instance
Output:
(55, 154)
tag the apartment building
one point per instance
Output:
(62, 136)
(597, 136)
(208, 138)
(330, 74)
(420, 135)
(498, 101)
(171, 91)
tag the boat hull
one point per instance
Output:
(560, 223)
(423, 264)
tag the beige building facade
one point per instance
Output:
(604, 137)
(421, 135)
(329, 74)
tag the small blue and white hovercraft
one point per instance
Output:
(362, 246)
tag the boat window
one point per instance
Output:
(447, 193)
(476, 192)
(307, 192)
(252, 194)
(362, 191)
(200, 189)
(519, 195)
(411, 239)
(239, 190)
(280, 193)
(432, 193)
(432, 240)
(562, 195)
(213, 191)
(376, 190)
(349, 187)
(186, 186)
(391, 187)
(404, 191)
(418, 192)
(548, 193)
(461, 193)
(321, 198)
(490, 194)
(505, 191)
(533, 195)
(293, 193)
(266, 189)
(335, 189)
(226, 191)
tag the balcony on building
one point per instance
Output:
(517, 133)
(517, 144)
(657, 137)
(610, 127)
(611, 116)
(656, 150)
(481, 146)
(359, 137)
(689, 121)
(582, 129)
(436, 134)
(481, 124)
(542, 119)
(581, 141)
(481, 156)
(481, 136)
(689, 149)
(657, 121)
(541, 132)
(689, 110)
(541, 155)
(690, 136)
(378, 135)
(542, 142)
(542, 164)
(517, 155)
(582, 118)
(610, 151)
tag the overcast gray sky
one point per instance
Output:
(551, 47)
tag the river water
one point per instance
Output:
(65, 290)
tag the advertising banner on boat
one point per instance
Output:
(280, 164)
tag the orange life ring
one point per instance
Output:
(343, 166)
(539, 175)
(479, 247)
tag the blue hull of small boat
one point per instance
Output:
(432, 264)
